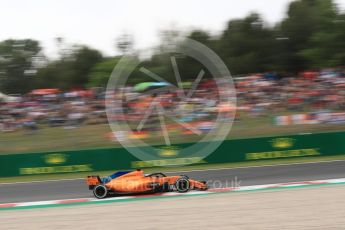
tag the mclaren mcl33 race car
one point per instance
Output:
(136, 182)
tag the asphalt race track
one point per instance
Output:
(76, 188)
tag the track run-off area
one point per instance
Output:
(314, 206)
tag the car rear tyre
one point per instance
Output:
(100, 191)
(182, 185)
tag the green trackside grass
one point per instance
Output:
(175, 169)
(48, 139)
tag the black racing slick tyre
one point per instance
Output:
(100, 191)
(182, 185)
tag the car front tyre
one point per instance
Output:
(182, 185)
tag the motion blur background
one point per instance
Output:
(287, 61)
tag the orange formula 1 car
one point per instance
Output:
(136, 182)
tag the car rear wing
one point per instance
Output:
(92, 181)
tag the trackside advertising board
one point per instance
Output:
(265, 148)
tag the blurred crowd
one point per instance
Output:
(185, 109)
(310, 91)
(69, 110)
(257, 95)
